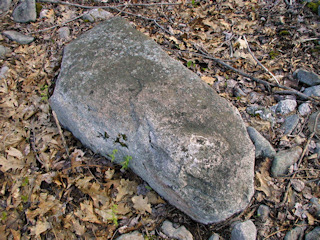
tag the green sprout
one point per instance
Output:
(125, 163)
(44, 94)
(113, 155)
(25, 182)
(4, 216)
(114, 214)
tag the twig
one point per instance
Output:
(108, 7)
(301, 157)
(259, 63)
(59, 25)
(265, 83)
(60, 132)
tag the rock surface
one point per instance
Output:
(3, 51)
(18, 37)
(131, 236)
(118, 89)
(306, 77)
(5, 5)
(263, 146)
(286, 106)
(244, 231)
(290, 123)
(263, 212)
(314, 234)
(312, 91)
(180, 233)
(25, 11)
(284, 159)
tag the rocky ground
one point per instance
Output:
(54, 188)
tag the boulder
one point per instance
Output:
(117, 89)
(25, 12)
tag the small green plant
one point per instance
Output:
(24, 198)
(273, 54)
(44, 94)
(148, 187)
(125, 163)
(114, 214)
(284, 33)
(4, 216)
(314, 6)
(190, 64)
(25, 182)
(113, 155)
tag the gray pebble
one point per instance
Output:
(304, 109)
(263, 147)
(244, 231)
(97, 14)
(25, 12)
(180, 233)
(316, 204)
(64, 33)
(290, 123)
(297, 184)
(3, 51)
(131, 236)
(18, 37)
(286, 106)
(314, 234)
(284, 159)
(5, 5)
(306, 77)
(315, 117)
(263, 212)
(3, 72)
(262, 112)
(214, 236)
(312, 91)
(295, 233)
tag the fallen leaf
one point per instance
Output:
(141, 204)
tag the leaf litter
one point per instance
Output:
(53, 189)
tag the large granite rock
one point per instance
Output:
(118, 89)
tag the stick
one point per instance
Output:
(267, 84)
(259, 63)
(109, 7)
(60, 132)
(301, 157)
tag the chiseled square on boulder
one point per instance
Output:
(118, 89)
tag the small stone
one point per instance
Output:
(4, 5)
(180, 233)
(262, 112)
(286, 106)
(314, 234)
(284, 159)
(263, 212)
(295, 233)
(306, 77)
(25, 12)
(214, 236)
(18, 37)
(3, 51)
(263, 146)
(290, 123)
(64, 33)
(131, 236)
(316, 204)
(297, 185)
(244, 231)
(304, 109)
(97, 14)
(3, 72)
(315, 117)
(312, 91)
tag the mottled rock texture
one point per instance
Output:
(118, 89)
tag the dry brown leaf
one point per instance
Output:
(87, 213)
(11, 163)
(41, 227)
(141, 204)
(209, 80)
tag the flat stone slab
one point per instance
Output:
(118, 89)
